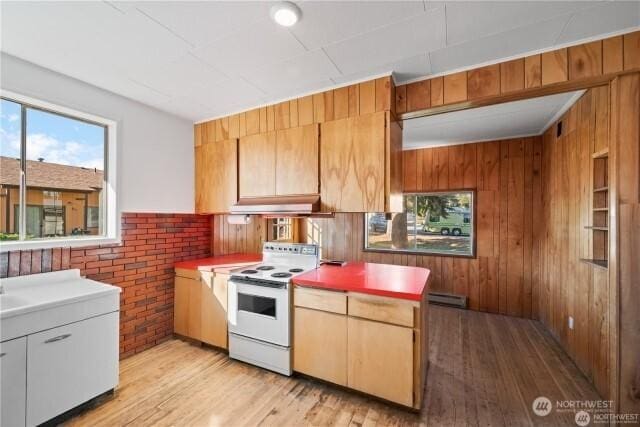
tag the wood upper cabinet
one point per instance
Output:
(280, 163)
(380, 360)
(297, 160)
(257, 165)
(361, 167)
(216, 176)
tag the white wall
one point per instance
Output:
(155, 149)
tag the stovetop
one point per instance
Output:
(280, 273)
(281, 262)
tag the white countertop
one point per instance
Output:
(35, 292)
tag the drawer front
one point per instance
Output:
(13, 364)
(396, 312)
(188, 273)
(331, 301)
(68, 365)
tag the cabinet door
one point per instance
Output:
(297, 160)
(214, 310)
(13, 367)
(335, 160)
(320, 345)
(68, 365)
(380, 360)
(352, 164)
(186, 306)
(216, 176)
(194, 317)
(257, 165)
(181, 306)
(369, 134)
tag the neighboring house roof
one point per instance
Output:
(50, 175)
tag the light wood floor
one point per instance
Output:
(485, 370)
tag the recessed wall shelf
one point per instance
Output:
(599, 216)
(600, 263)
(601, 154)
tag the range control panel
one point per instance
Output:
(290, 248)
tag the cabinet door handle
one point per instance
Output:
(58, 338)
(2, 354)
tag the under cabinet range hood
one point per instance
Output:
(305, 205)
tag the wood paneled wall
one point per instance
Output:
(624, 177)
(231, 238)
(349, 101)
(506, 175)
(567, 286)
(572, 64)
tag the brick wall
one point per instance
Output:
(142, 266)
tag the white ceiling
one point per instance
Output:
(501, 121)
(200, 60)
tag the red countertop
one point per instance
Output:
(378, 279)
(220, 263)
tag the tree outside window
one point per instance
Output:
(439, 223)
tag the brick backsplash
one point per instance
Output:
(142, 266)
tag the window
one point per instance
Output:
(282, 229)
(54, 183)
(439, 223)
(93, 216)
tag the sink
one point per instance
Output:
(38, 302)
(8, 302)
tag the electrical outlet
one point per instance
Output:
(570, 322)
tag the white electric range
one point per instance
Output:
(259, 310)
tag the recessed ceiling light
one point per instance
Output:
(285, 13)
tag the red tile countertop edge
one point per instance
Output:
(377, 279)
(219, 262)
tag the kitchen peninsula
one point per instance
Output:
(364, 326)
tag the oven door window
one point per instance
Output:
(257, 304)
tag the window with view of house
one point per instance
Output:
(281, 230)
(438, 223)
(52, 174)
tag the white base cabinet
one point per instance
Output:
(13, 382)
(69, 365)
(59, 346)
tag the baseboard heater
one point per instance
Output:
(451, 300)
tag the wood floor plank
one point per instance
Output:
(485, 370)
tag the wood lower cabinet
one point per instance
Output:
(181, 307)
(200, 306)
(216, 172)
(360, 164)
(372, 344)
(320, 344)
(186, 317)
(214, 310)
(380, 360)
